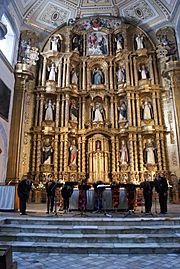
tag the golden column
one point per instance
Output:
(84, 76)
(131, 153)
(17, 126)
(37, 109)
(83, 111)
(44, 71)
(135, 153)
(138, 110)
(83, 154)
(59, 72)
(41, 109)
(62, 111)
(135, 72)
(79, 154)
(68, 73)
(61, 153)
(154, 108)
(67, 110)
(64, 73)
(56, 155)
(140, 149)
(158, 151)
(38, 161)
(133, 110)
(111, 75)
(163, 151)
(116, 113)
(65, 152)
(159, 109)
(129, 109)
(34, 153)
(127, 70)
(112, 111)
(113, 154)
(131, 70)
(117, 155)
(151, 70)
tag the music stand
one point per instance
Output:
(103, 186)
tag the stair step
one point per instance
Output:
(98, 248)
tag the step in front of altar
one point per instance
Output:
(82, 235)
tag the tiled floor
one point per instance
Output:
(61, 261)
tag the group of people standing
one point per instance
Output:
(159, 184)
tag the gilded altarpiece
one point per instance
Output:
(95, 105)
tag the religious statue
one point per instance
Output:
(73, 111)
(139, 41)
(76, 43)
(55, 42)
(73, 154)
(52, 72)
(49, 110)
(74, 76)
(124, 157)
(122, 111)
(119, 42)
(47, 151)
(121, 75)
(97, 77)
(150, 153)
(98, 113)
(146, 110)
(143, 72)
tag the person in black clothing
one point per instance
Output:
(66, 192)
(24, 188)
(50, 190)
(161, 187)
(147, 187)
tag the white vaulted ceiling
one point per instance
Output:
(49, 14)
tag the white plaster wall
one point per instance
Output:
(8, 77)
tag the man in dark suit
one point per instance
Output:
(24, 188)
(50, 190)
(161, 187)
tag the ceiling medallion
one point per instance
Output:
(55, 16)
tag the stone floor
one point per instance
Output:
(92, 261)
